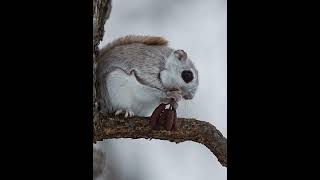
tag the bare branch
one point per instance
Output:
(188, 130)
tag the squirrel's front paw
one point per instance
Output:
(127, 113)
(172, 96)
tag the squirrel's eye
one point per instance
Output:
(187, 76)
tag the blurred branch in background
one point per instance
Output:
(98, 162)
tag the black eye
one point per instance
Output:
(187, 76)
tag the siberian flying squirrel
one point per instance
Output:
(137, 73)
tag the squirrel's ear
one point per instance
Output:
(181, 54)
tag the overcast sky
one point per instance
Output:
(199, 28)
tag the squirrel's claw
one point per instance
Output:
(174, 104)
(119, 111)
(174, 95)
(172, 98)
(127, 113)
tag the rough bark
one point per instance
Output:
(138, 127)
(188, 130)
(101, 12)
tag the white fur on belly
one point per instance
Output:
(127, 93)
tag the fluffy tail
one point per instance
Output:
(130, 39)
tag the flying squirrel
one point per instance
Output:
(141, 76)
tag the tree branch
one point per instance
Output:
(188, 130)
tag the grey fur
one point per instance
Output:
(144, 61)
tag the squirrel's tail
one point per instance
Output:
(130, 39)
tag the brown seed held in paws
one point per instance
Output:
(163, 117)
(156, 115)
(174, 124)
(170, 119)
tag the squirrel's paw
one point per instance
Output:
(174, 105)
(172, 96)
(127, 113)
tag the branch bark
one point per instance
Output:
(188, 130)
(138, 127)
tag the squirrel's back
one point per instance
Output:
(131, 39)
(134, 51)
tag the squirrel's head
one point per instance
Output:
(180, 74)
